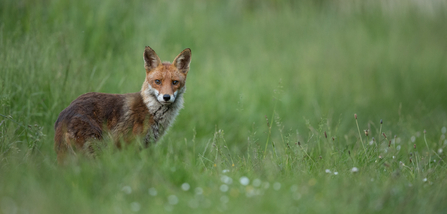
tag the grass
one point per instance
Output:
(268, 124)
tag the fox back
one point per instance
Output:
(146, 114)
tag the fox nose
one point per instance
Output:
(166, 97)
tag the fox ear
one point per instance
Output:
(182, 61)
(151, 59)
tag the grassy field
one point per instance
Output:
(268, 124)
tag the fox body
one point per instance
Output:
(146, 114)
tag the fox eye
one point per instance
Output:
(157, 82)
(175, 82)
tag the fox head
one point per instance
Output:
(165, 81)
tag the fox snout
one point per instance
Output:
(166, 98)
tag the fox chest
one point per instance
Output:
(159, 123)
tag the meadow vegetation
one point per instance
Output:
(268, 124)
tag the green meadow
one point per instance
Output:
(268, 124)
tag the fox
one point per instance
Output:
(146, 114)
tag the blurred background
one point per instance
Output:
(296, 60)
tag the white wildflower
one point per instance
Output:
(244, 180)
(224, 199)
(152, 191)
(294, 188)
(226, 179)
(266, 185)
(198, 190)
(193, 203)
(276, 186)
(169, 208)
(172, 199)
(297, 196)
(135, 206)
(185, 186)
(223, 188)
(257, 182)
(127, 189)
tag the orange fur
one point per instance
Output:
(146, 114)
